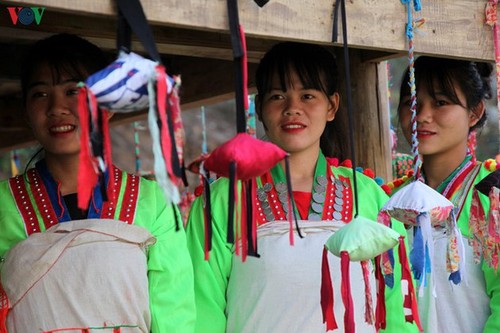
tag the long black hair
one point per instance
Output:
(473, 79)
(316, 68)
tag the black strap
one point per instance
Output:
(207, 209)
(124, 34)
(335, 31)
(131, 17)
(347, 66)
(261, 3)
(238, 52)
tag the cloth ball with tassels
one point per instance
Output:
(130, 83)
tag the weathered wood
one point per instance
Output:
(452, 28)
(370, 113)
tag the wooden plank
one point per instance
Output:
(452, 28)
(102, 32)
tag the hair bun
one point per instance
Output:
(484, 68)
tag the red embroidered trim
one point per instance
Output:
(42, 199)
(18, 187)
(261, 218)
(457, 181)
(109, 207)
(24, 205)
(347, 205)
(130, 196)
(328, 207)
(274, 203)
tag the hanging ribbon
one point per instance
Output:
(492, 21)
(413, 87)
(136, 126)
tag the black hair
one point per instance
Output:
(63, 53)
(317, 69)
(473, 79)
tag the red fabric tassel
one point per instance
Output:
(166, 144)
(327, 294)
(87, 175)
(409, 299)
(345, 286)
(290, 219)
(380, 312)
(368, 293)
(175, 108)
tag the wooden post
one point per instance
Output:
(371, 113)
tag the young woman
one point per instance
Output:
(120, 264)
(451, 98)
(297, 103)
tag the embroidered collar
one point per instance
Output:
(53, 190)
(331, 195)
(457, 185)
(39, 184)
(449, 185)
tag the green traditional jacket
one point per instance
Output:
(212, 276)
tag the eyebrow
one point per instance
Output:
(44, 83)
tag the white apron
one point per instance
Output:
(78, 275)
(462, 308)
(280, 291)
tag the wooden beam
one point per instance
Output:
(101, 31)
(452, 28)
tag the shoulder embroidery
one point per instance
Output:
(24, 205)
(130, 197)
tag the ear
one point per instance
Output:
(334, 101)
(476, 113)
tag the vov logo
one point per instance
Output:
(26, 15)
